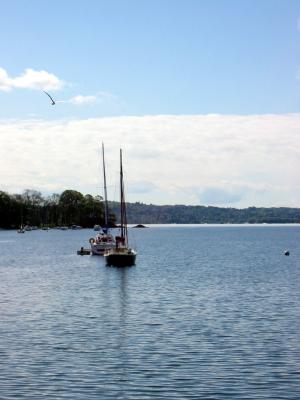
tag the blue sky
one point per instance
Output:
(155, 57)
(203, 96)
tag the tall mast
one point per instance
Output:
(105, 190)
(123, 205)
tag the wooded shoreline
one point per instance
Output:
(66, 209)
(182, 214)
(73, 208)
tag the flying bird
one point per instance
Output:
(53, 102)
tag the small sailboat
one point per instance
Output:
(104, 240)
(121, 254)
(21, 230)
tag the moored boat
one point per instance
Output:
(101, 242)
(121, 255)
(76, 227)
(21, 230)
(104, 240)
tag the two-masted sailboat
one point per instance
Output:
(121, 255)
(104, 240)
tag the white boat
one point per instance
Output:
(21, 230)
(76, 227)
(121, 254)
(97, 228)
(101, 242)
(104, 240)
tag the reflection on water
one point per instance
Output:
(207, 313)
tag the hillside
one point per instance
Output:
(181, 214)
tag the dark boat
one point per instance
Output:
(121, 255)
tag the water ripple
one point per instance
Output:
(217, 321)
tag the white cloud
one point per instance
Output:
(223, 159)
(30, 79)
(82, 100)
(5, 81)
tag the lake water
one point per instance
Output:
(207, 313)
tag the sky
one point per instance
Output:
(203, 97)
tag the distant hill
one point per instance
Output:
(139, 213)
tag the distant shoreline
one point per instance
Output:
(174, 225)
(217, 225)
(146, 214)
(74, 208)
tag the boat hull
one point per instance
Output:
(120, 260)
(100, 249)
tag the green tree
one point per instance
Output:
(71, 203)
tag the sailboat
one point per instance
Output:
(21, 229)
(104, 240)
(121, 255)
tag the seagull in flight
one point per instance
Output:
(53, 102)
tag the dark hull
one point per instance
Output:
(120, 260)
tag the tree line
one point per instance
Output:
(68, 208)
(73, 208)
(180, 214)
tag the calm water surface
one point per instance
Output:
(207, 313)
